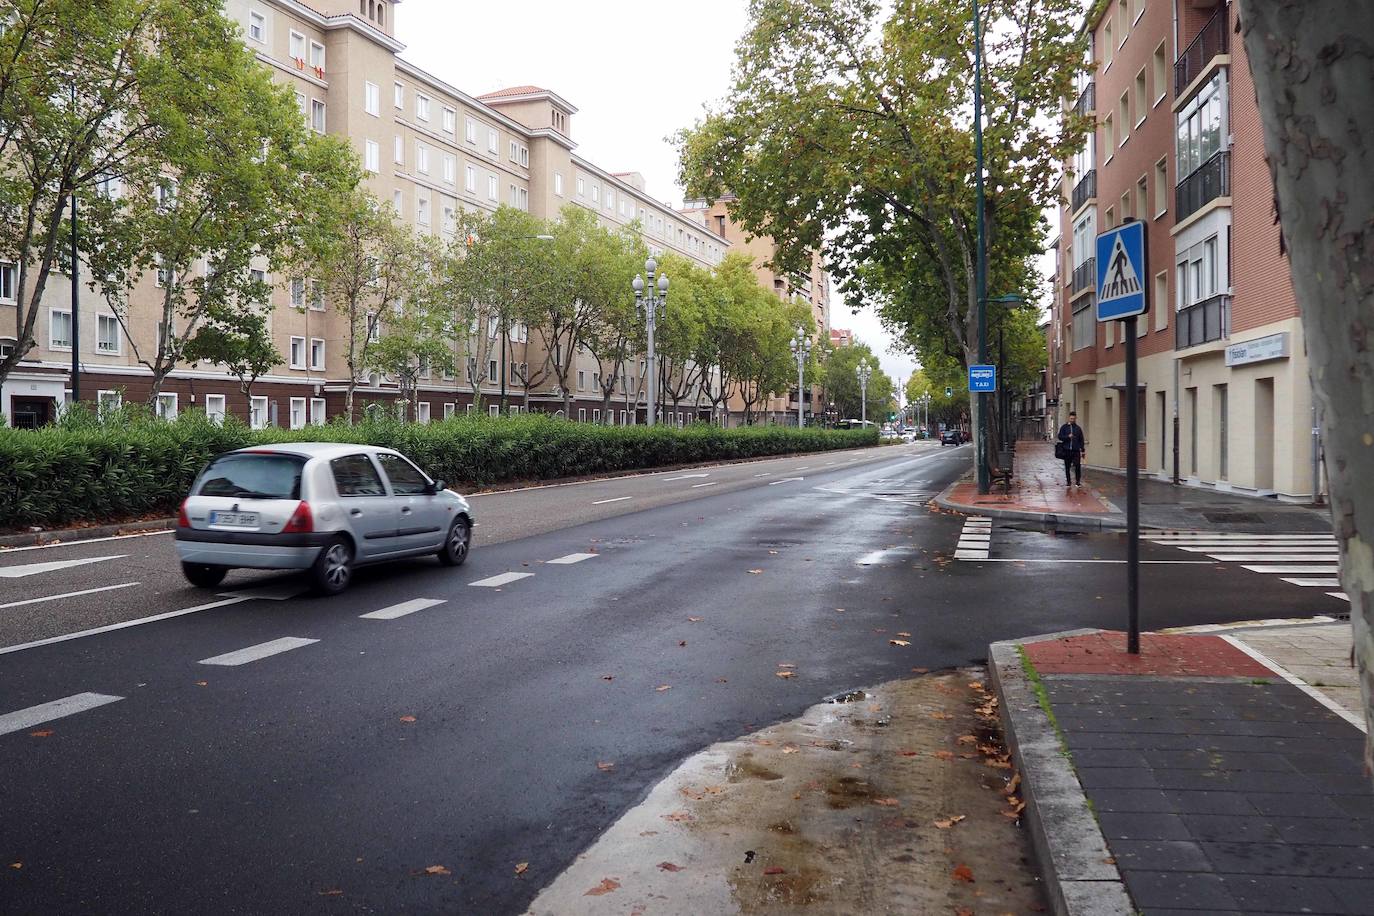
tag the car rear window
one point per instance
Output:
(253, 476)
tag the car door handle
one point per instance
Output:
(355, 512)
(405, 510)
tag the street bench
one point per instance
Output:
(1003, 469)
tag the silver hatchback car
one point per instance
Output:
(317, 506)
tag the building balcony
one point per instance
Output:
(1214, 39)
(1085, 276)
(1203, 322)
(1209, 181)
(1085, 190)
(1087, 100)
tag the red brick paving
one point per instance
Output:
(1038, 486)
(1163, 655)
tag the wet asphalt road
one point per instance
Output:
(297, 782)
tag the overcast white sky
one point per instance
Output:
(637, 72)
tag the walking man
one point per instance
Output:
(1070, 448)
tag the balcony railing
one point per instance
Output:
(1208, 181)
(1085, 275)
(1085, 190)
(1087, 100)
(1203, 322)
(1214, 39)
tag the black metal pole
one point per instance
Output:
(1132, 490)
(76, 311)
(980, 449)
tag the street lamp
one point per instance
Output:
(864, 372)
(801, 349)
(651, 304)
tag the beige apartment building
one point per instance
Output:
(430, 149)
(1224, 397)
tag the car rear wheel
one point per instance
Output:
(202, 575)
(457, 543)
(333, 568)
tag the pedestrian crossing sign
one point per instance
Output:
(1121, 272)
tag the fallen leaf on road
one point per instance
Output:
(1011, 786)
(975, 685)
(522, 867)
(904, 634)
(772, 553)
(722, 680)
(678, 817)
(437, 870)
(332, 892)
(786, 665)
(16, 865)
(605, 887)
(681, 643)
(669, 866)
(968, 739)
(608, 677)
(785, 674)
(941, 715)
(943, 755)
(202, 683)
(898, 642)
(755, 572)
(47, 732)
(920, 670)
(887, 802)
(790, 749)
(840, 609)
(774, 870)
(910, 753)
(694, 619)
(663, 687)
(949, 822)
(962, 873)
(407, 718)
(605, 766)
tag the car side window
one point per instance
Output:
(355, 475)
(406, 479)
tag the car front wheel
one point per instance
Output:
(333, 568)
(457, 543)
(202, 575)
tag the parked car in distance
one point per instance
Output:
(322, 507)
(951, 437)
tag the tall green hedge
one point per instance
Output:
(133, 466)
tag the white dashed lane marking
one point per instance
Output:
(84, 591)
(33, 569)
(402, 609)
(258, 652)
(617, 499)
(57, 709)
(698, 486)
(498, 581)
(571, 559)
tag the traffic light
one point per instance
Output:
(891, 416)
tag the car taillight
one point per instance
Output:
(301, 521)
(182, 520)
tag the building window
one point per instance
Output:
(1142, 198)
(372, 99)
(257, 26)
(450, 121)
(1142, 101)
(257, 413)
(316, 296)
(470, 130)
(494, 410)
(399, 95)
(470, 180)
(1108, 137)
(421, 158)
(450, 219)
(108, 402)
(1160, 68)
(596, 193)
(317, 116)
(581, 379)
(1109, 219)
(450, 169)
(298, 413)
(398, 150)
(107, 334)
(1123, 19)
(1123, 112)
(491, 369)
(7, 274)
(581, 187)
(297, 293)
(421, 107)
(493, 140)
(1161, 187)
(422, 412)
(450, 409)
(296, 46)
(59, 330)
(398, 201)
(558, 183)
(1126, 206)
(1160, 303)
(422, 210)
(298, 353)
(372, 156)
(1109, 46)
(317, 354)
(317, 416)
(214, 408)
(491, 187)
(317, 55)
(1199, 134)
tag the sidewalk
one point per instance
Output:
(1038, 494)
(1217, 772)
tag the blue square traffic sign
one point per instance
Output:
(1121, 272)
(982, 378)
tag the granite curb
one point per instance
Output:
(1105, 522)
(73, 535)
(1081, 877)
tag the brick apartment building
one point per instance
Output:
(430, 149)
(1178, 145)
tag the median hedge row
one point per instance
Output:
(132, 466)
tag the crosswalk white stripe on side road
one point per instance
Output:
(258, 652)
(1260, 548)
(402, 609)
(57, 709)
(1294, 557)
(1315, 583)
(1295, 570)
(572, 558)
(498, 581)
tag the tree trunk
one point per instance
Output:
(348, 398)
(1310, 60)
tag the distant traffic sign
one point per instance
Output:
(1121, 272)
(982, 378)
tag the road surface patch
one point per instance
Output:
(498, 581)
(56, 709)
(258, 652)
(402, 609)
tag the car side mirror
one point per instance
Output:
(437, 486)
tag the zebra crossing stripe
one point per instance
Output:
(1295, 570)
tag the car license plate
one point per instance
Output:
(235, 519)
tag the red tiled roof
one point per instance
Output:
(513, 90)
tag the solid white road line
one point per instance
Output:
(33, 569)
(1236, 536)
(762, 475)
(57, 709)
(260, 651)
(686, 477)
(571, 559)
(1302, 685)
(1260, 548)
(498, 581)
(1296, 570)
(84, 591)
(1070, 560)
(120, 626)
(698, 486)
(402, 609)
(602, 502)
(1315, 583)
(806, 467)
(113, 537)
